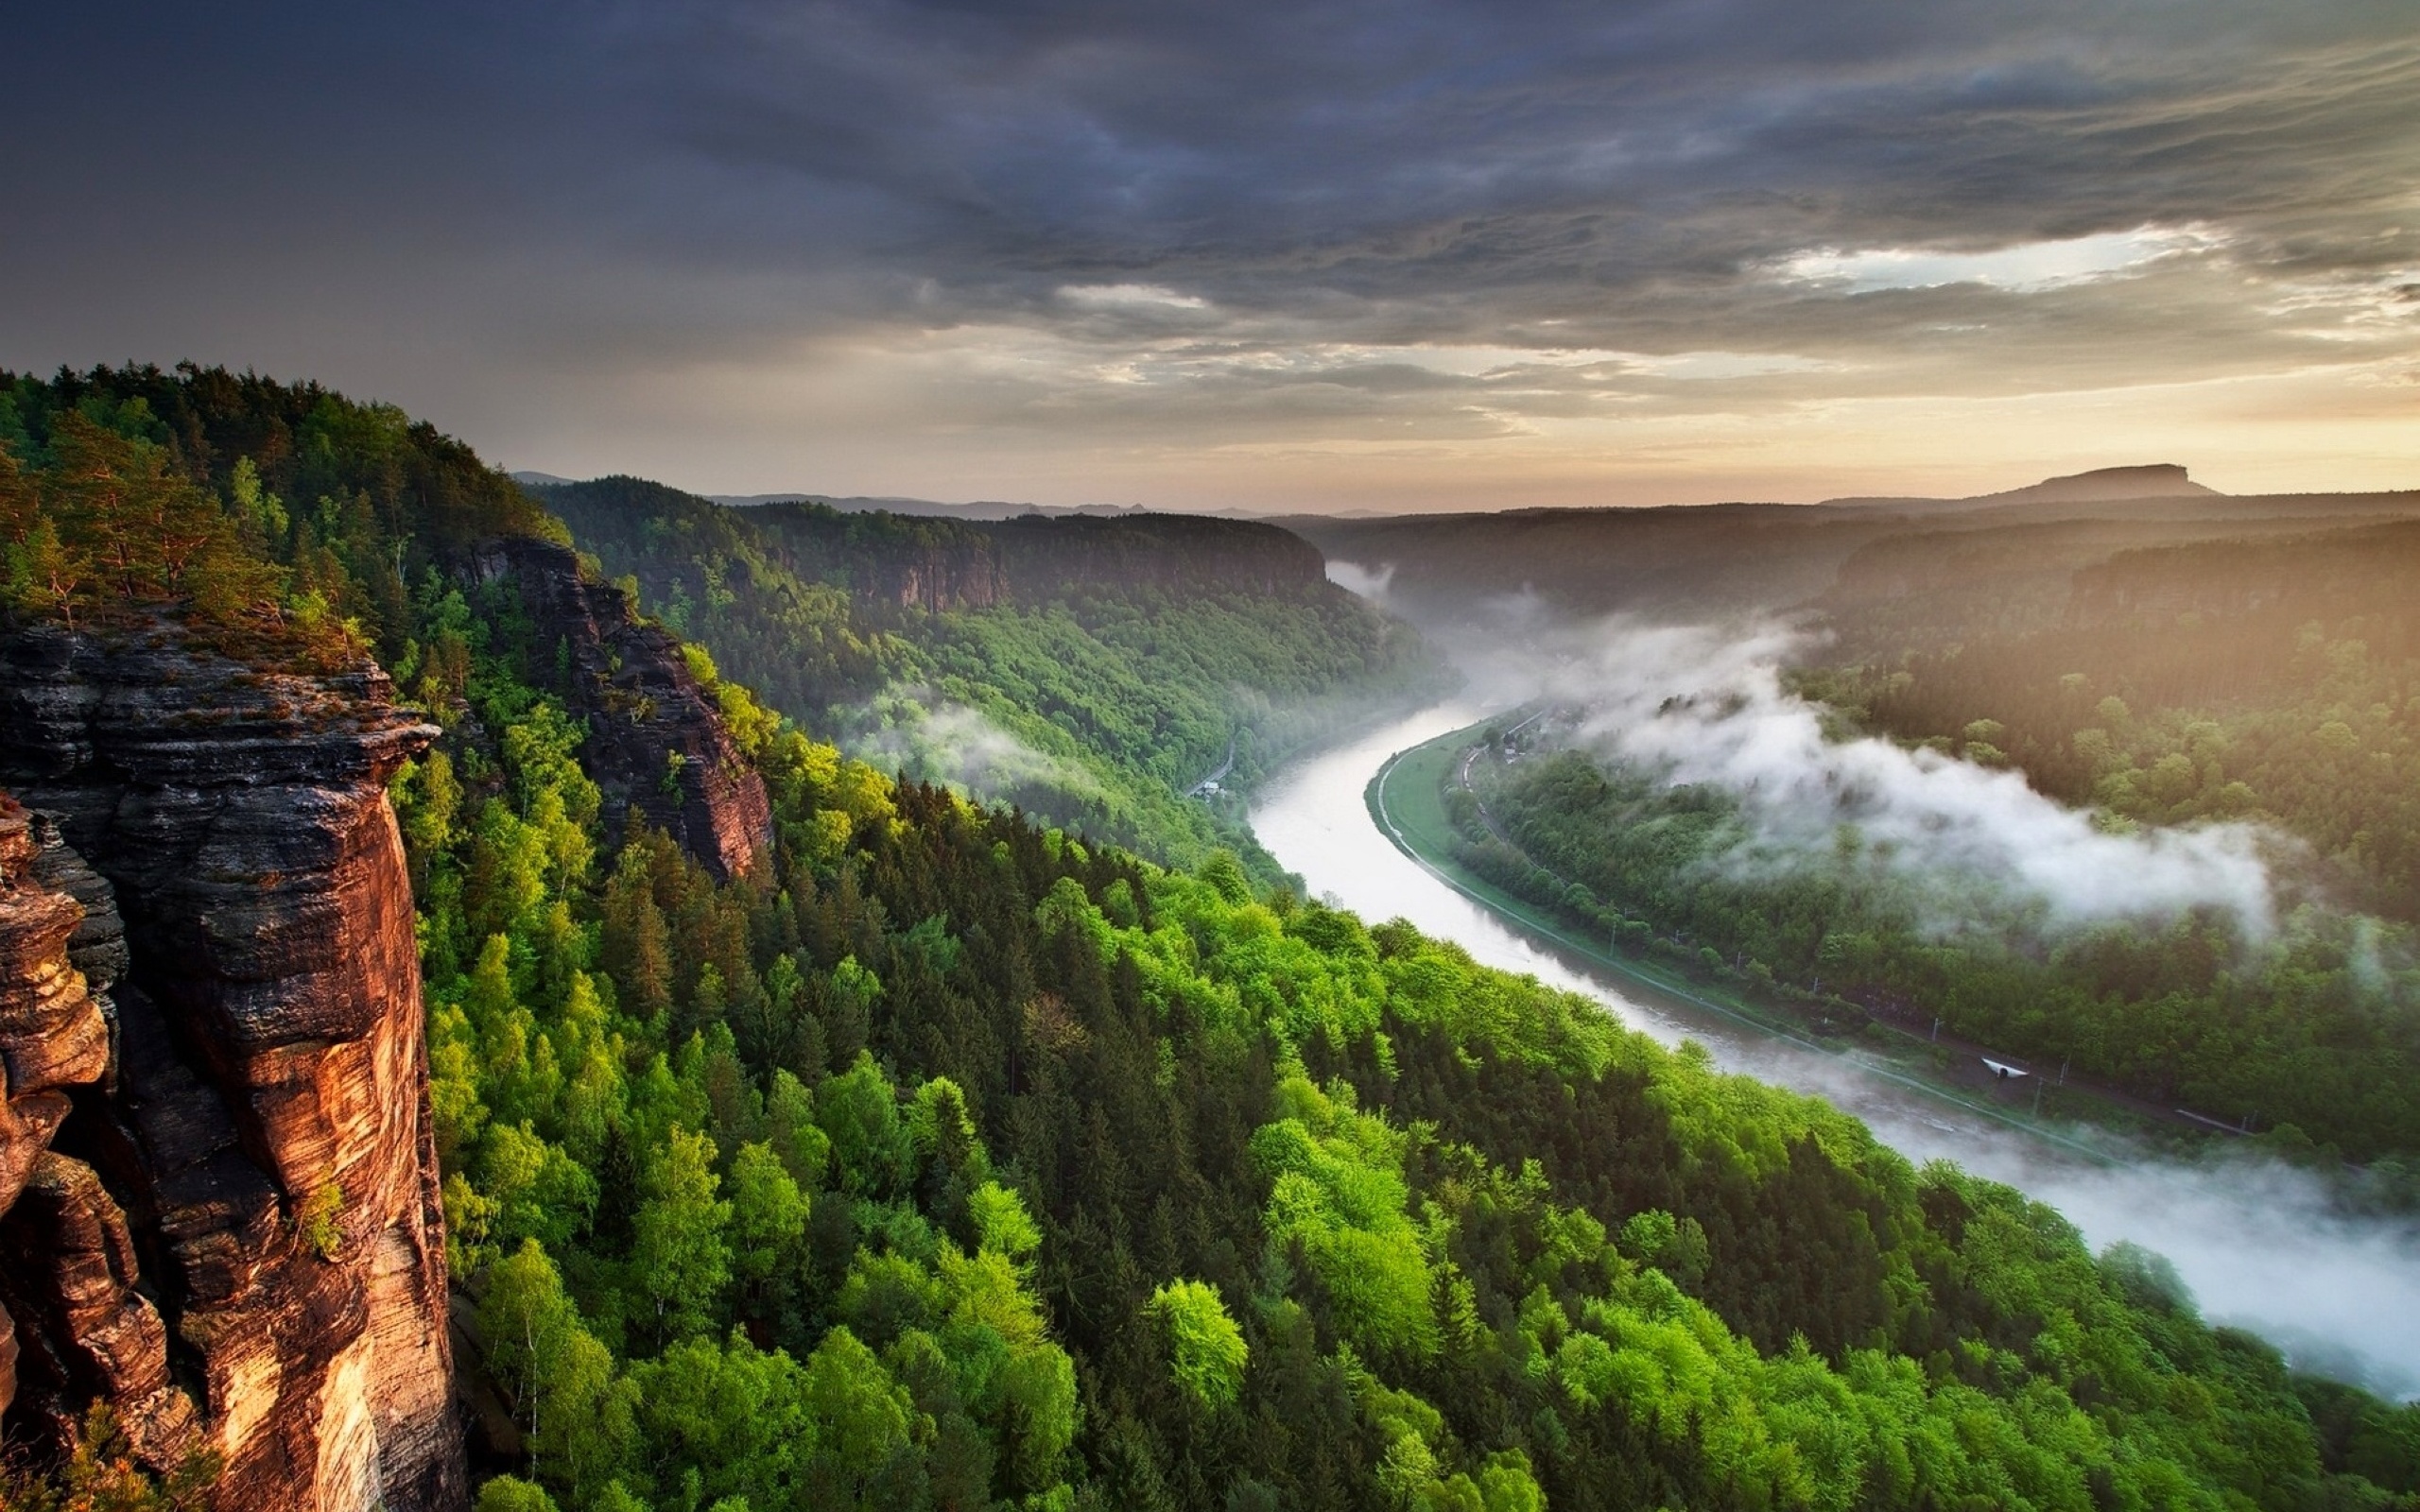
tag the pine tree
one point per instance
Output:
(101, 478)
(53, 574)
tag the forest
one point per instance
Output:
(2270, 677)
(2266, 678)
(2304, 1033)
(1090, 671)
(953, 1160)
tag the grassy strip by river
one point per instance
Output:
(1406, 800)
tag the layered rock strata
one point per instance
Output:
(236, 1236)
(83, 1328)
(657, 742)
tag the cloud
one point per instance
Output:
(2027, 265)
(1520, 228)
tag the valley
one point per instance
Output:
(826, 756)
(2249, 1240)
(794, 1133)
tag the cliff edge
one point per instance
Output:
(656, 741)
(225, 1217)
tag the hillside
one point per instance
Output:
(1092, 670)
(2162, 665)
(1691, 563)
(916, 1155)
(2301, 1030)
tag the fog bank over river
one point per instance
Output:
(2258, 1245)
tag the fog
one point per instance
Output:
(2257, 1242)
(908, 731)
(2260, 1244)
(1705, 704)
(1368, 582)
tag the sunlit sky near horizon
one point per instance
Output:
(1391, 254)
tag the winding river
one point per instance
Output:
(2259, 1248)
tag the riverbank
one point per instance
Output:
(1406, 800)
(2260, 1244)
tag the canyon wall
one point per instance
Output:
(225, 1220)
(945, 565)
(1044, 556)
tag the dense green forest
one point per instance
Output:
(1091, 671)
(124, 492)
(2312, 1026)
(2229, 678)
(953, 1161)
(2164, 662)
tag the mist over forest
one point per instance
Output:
(2110, 789)
(1406, 756)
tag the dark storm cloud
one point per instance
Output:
(1220, 216)
(1394, 148)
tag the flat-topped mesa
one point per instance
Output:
(2156, 480)
(657, 742)
(258, 1150)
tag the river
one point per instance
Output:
(2261, 1248)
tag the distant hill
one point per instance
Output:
(1696, 561)
(2161, 480)
(869, 503)
(2106, 484)
(982, 509)
(922, 508)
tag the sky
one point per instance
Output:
(1264, 254)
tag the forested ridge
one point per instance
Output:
(1090, 670)
(2306, 1033)
(2217, 679)
(2267, 677)
(947, 1159)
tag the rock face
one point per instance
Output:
(1176, 552)
(53, 1034)
(80, 1319)
(962, 570)
(235, 1237)
(656, 741)
(945, 565)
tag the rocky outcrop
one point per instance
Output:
(937, 576)
(83, 1331)
(68, 1272)
(656, 741)
(1178, 552)
(53, 1034)
(235, 1237)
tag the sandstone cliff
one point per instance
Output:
(228, 1224)
(1180, 553)
(656, 741)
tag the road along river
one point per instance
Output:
(2259, 1247)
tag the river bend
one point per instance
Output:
(2261, 1250)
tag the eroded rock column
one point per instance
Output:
(264, 1123)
